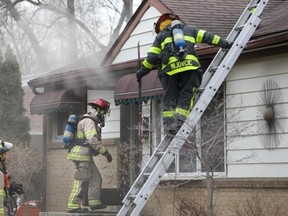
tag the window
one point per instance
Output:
(59, 120)
(59, 123)
(204, 150)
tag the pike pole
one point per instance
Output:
(139, 98)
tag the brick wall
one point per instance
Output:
(60, 176)
(36, 121)
(229, 196)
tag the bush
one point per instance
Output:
(258, 206)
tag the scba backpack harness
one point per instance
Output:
(69, 137)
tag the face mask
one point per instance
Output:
(100, 117)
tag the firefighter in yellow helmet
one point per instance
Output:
(179, 68)
(87, 178)
(4, 148)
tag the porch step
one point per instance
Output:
(77, 214)
(109, 211)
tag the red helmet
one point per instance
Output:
(101, 103)
(164, 17)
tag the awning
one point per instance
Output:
(127, 88)
(54, 101)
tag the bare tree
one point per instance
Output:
(207, 144)
(25, 166)
(60, 31)
(260, 206)
(203, 153)
(10, 7)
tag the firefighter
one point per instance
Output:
(4, 148)
(179, 72)
(87, 178)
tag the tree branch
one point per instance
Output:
(81, 24)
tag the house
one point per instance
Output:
(254, 162)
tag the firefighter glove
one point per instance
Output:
(108, 156)
(141, 72)
(229, 44)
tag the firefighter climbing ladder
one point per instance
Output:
(214, 76)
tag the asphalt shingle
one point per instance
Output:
(219, 16)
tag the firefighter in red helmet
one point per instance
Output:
(179, 68)
(87, 178)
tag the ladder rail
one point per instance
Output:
(150, 165)
(234, 33)
(224, 60)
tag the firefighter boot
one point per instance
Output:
(97, 207)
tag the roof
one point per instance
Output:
(274, 18)
(217, 16)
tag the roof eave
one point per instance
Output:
(260, 42)
(121, 69)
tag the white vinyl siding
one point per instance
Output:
(246, 154)
(143, 34)
(112, 122)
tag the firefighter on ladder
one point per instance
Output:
(179, 72)
(87, 177)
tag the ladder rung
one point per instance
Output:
(253, 6)
(239, 28)
(159, 153)
(214, 69)
(132, 197)
(200, 90)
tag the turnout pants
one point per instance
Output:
(2, 194)
(87, 182)
(178, 99)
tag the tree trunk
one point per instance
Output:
(126, 14)
(210, 192)
(72, 44)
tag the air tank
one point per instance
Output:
(70, 129)
(178, 35)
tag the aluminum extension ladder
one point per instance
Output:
(214, 76)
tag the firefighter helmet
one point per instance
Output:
(162, 18)
(100, 103)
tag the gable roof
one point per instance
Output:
(217, 16)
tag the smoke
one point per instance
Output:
(52, 33)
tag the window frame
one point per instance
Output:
(199, 174)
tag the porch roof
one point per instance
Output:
(127, 88)
(57, 100)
